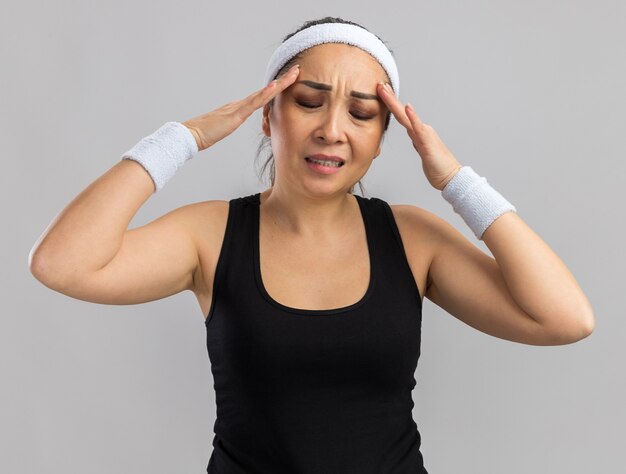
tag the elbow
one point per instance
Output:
(575, 324)
(41, 268)
(587, 321)
(583, 331)
(573, 332)
(35, 263)
(37, 267)
(588, 326)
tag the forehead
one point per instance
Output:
(334, 58)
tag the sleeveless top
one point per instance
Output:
(314, 391)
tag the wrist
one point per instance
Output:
(475, 200)
(164, 152)
(450, 176)
(195, 134)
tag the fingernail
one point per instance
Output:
(387, 86)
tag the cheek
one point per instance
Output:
(372, 138)
(289, 120)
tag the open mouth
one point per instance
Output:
(328, 163)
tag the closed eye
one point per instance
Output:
(314, 106)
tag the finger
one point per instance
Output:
(413, 117)
(417, 126)
(394, 105)
(275, 87)
(278, 85)
(259, 97)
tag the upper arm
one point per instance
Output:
(469, 285)
(154, 261)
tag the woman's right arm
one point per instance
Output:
(88, 252)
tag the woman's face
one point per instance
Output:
(319, 114)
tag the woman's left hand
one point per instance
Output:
(438, 163)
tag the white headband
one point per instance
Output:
(334, 33)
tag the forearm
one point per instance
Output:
(89, 231)
(536, 277)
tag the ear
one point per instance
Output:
(265, 125)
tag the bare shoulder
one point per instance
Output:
(206, 221)
(421, 232)
(202, 216)
(200, 219)
(418, 222)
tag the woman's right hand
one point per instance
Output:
(101, 260)
(211, 127)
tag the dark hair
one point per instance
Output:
(266, 141)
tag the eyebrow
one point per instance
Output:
(327, 87)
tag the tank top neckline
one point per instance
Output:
(313, 312)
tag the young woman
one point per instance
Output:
(313, 295)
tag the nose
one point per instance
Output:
(331, 128)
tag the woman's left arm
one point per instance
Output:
(538, 280)
(527, 281)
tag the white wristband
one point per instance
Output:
(475, 200)
(163, 152)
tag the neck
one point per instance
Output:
(305, 215)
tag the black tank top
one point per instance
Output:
(314, 391)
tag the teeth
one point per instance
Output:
(334, 164)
